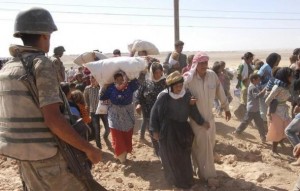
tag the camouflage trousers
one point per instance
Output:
(49, 174)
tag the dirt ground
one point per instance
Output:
(243, 163)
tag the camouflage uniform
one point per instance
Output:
(59, 67)
(24, 135)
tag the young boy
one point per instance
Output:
(253, 112)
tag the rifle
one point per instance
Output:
(77, 160)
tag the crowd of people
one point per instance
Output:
(176, 100)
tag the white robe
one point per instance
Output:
(205, 90)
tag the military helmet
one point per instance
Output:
(59, 50)
(34, 21)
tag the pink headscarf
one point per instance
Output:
(200, 57)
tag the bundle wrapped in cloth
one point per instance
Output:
(89, 57)
(141, 45)
(104, 70)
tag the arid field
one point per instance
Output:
(243, 163)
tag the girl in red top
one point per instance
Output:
(78, 99)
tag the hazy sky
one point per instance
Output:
(204, 24)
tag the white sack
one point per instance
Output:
(101, 108)
(88, 57)
(141, 45)
(104, 70)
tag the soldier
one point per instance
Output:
(27, 130)
(58, 64)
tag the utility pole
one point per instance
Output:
(176, 20)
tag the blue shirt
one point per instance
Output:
(123, 97)
(266, 73)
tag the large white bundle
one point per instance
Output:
(88, 57)
(104, 70)
(141, 45)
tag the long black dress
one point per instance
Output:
(169, 117)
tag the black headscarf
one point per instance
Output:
(272, 59)
(283, 74)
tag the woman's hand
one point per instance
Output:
(138, 109)
(156, 136)
(206, 125)
(193, 100)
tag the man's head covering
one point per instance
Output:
(174, 78)
(200, 57)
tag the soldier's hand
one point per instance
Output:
(94, 155)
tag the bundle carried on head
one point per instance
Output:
(89, 57)
(104, 70)
(141, 45)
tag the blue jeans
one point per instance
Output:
(249, 116)
(96, 127)
(292, 129)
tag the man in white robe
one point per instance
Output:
(205, 86)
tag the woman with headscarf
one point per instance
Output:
(278, 109)
(265, 72)
(121, 113)
(243, 72)
(169, 123)
(146, 97)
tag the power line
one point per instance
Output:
(185, 26)
(152, 8)
(169, 16)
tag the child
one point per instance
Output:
(224, 77)
(257, 65)
(78, 99)
(66, 88)
(293, 61)
(189, 64)
(253, 112)
(218, 70)
(174, 61)
(227, 77)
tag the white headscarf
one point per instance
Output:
(151, 76)
(174, 96)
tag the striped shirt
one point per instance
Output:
(91, 96)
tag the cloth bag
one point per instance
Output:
(141, 45)
(89, 57)
(104, 70)
(101, 108)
